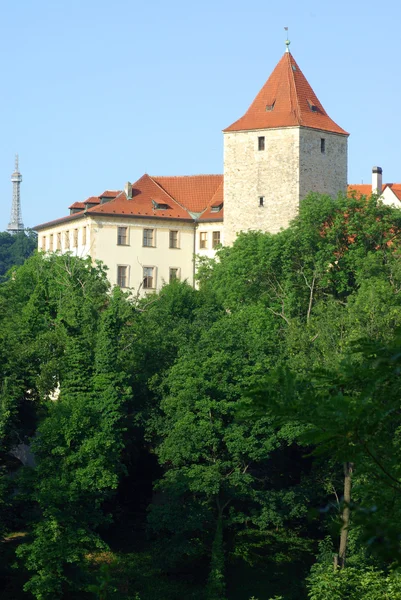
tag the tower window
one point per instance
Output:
(322, 145)
(261, 142)
(261, 200)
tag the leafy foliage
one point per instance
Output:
(190, 444)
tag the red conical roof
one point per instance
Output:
(286, 100)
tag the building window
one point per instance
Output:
(216, 239)
(122, 276)
(67, 240)
(75, 239)
(203, 239)
(59, 240)
(51, 242)
(148, 278)
(261, 200)
(173, 239)
(148, 238)
(174, 274)
(84, 236)
(122, 236)
(322, 145)
(261, 142)
(43, 243)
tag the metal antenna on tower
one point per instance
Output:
(15, 225)
(287, 41)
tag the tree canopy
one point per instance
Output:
(218, 443)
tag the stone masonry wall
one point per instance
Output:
(250, 173)
(291, 165)
(322, 171)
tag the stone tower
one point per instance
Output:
(284, 146)
(15, 225)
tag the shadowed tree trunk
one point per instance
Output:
(339, 560)
(216, 582)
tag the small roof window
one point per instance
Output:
(270, 107)
(216, 207)
(313, 106)
(159, 206)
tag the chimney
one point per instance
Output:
(128, 190)
(377, 180)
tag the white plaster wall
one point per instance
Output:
(136, 256)
(82, 249)
(390, 199)
(208, 228)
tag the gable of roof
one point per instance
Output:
(286, 100)
(146, 196)
(395, 188)
(194, 192)
(216, 201)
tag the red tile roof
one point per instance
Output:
(216, 200)
(110, 194)
(360, 189)
(80, 205)
(194, 192)
(286, 100)
(365, 189)
(144, 191)
(181, 196)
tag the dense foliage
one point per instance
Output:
(215, 444)
(15, 249)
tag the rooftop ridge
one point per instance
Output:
(286, 100)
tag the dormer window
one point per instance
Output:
(216, 208)
(269, 107)
(312, 106)
(159, 205)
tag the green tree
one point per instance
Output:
(15, 249)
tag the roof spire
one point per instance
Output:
(287, 41)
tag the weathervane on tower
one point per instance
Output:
(287, 41)
(15, 225)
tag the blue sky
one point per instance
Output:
(97, 93)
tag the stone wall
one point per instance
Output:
(292, 164)
(322, 169)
